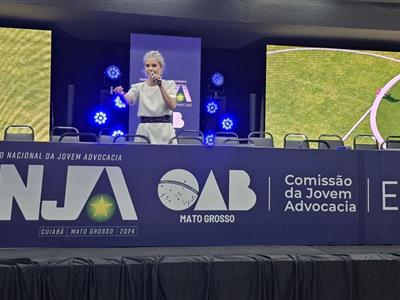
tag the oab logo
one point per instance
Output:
(178, 190)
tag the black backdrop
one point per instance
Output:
(230, 277)
(82, 62)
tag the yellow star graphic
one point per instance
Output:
(180, 97)
(101, 207)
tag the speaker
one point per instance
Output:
(262, 116)
(252, 112)
(70, 104)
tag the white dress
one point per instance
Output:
(151, 104)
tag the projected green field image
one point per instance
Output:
(25, 58)
(318, 91)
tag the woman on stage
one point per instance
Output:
(157, 100)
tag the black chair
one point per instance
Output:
(391, 143)
(221, 136)
(190, 133)
(238, 142)
(105, 136)
(131, 139)
(296, 141)
(28, 134)
(58, 131)
(262, 139)
(188, 137)
(365, 142)
(186, 140)
(319, 143)
(334, 141)
(86, 137)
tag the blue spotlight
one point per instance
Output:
(227, 123)
(217, 79)
(119, 102)
(212, 107)
(113, 72)
(209, 139)
(100, 118)
(117, 132)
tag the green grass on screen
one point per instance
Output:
(326, 92)
(25, 62)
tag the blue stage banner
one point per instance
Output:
(89, 195)
(381, 187)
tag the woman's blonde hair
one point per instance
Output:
(156, 55)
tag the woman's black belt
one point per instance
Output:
(163, 119)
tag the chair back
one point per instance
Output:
(131, 139)
(221, 136)
(86, 137)
(391, 143)
(28, 134)
(57, 132)
(238, 142)
(319, 143)
(334, 141)
(365, 142)
(296, 141)
(262, 139)
(105, 136)
(186, 140)
(190, 133)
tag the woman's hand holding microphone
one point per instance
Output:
(156, 78)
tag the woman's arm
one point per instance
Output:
(169, 101)
(128, 98)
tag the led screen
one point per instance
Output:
(25, 61)
(317, 91)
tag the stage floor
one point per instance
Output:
(41, 253)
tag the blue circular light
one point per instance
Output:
(113, 72)
(217, 79)
(119, 103)
(100, 117)
(227, 123)
(209, 139)
(117, 132)
(212, 107)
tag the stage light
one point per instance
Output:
(113, 72)
(209, 139)
(100, 118)
(227, 123)
(217, 79)
(119, 102)
(117, 132)
(212, 107)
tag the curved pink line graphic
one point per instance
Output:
(335, 50)
(375, 106)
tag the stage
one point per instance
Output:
(97, 221)
(242, 273)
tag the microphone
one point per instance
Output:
(156, 80)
